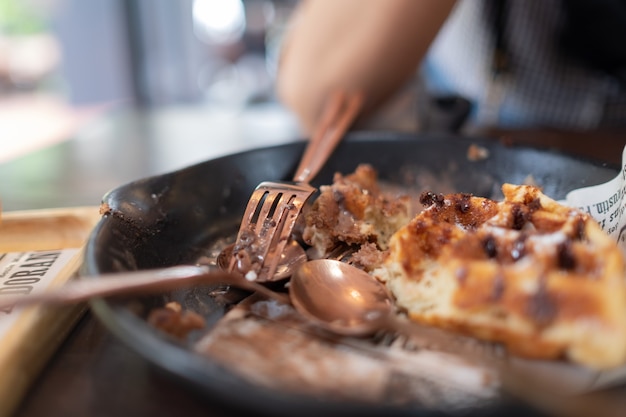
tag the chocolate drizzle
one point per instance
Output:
(565, 256)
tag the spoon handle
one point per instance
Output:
(136, 282)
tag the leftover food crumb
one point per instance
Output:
(354, 210)
(477, 153)
(175, 321)
(104, 209)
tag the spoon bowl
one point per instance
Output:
(340, 297)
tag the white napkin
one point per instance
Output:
(606, 203)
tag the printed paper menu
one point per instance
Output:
(23, 273)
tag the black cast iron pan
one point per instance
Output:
(170, 219)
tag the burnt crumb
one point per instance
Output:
(104, 209)
(490, 246)
(477, 153)
(463, 205)
(565, 256)
(542, 307)
(175, 321)
(520, 217)
(428, 198)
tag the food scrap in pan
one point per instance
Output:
(354, 210)
(477, 153)
(175, 321)
(539, 277)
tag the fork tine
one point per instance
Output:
(285, 226)
(248, 222)
(275, 213)
(285, 223)
(269, 207)
(250, 214)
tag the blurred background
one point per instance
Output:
(133, 88)
(64, 61)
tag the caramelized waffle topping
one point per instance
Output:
(541, 278)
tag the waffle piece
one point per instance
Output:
(353, 210)
(541, 278)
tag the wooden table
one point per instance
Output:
(93, 373)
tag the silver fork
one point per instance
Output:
(274, 206)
